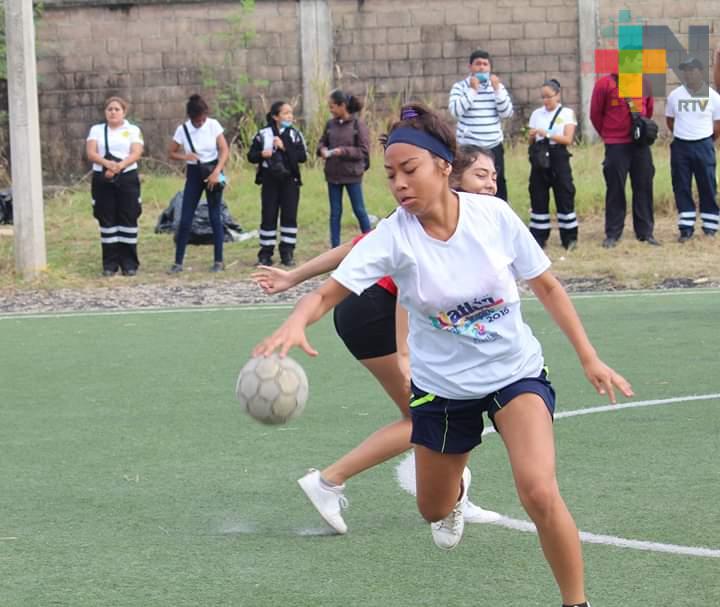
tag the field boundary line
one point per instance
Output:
(288, 306)
(405, 476)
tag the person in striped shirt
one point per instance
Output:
(479, 103)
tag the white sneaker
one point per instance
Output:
(476, 514)
(448, 532)
(328, 501)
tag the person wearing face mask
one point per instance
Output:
(479, 103)
(200, 142)
(552, 127)
(278, 149)
(114, 148)
(692, 113)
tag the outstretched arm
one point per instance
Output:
(274, 280)
(556, 301)
(309, 309)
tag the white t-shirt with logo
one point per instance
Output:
(542, 117)
(693, 116)
(467, 337)
(120, 141)
(204, 139)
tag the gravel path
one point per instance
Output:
(222, 293)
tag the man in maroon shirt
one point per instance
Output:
(611, 116)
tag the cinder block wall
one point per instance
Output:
(155, 52)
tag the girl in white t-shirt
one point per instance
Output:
(553, 125)
(374, 330)
(200, 142)
(114, 147)
(455, 258)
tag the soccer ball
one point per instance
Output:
(272, 390)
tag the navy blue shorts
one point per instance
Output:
(456, 426)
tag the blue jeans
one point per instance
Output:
(194, 187)
(358, 206)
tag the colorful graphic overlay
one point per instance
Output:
(645, 52)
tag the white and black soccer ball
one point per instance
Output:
(271, 389)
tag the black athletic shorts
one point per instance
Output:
(366, 323)
(456, 426)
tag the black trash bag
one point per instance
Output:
(6, 206)
(201, 230)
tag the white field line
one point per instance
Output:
(263, 307)
(405, 474)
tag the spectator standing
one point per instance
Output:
(345, 146)
(555, 124)
(278, 149)
(611, 116)
(114, 147)
(692, 113)
(200, 142)
(479, 103)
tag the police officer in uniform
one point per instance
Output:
(692, 112)
(555, 123)
(114, 147)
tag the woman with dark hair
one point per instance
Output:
(455, 258)
(278, 149)
(552, 129)
(345, 146)
(200, 142)
(374, 330)
(114, 147)
(474, 171)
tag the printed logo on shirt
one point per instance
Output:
(469, 318)
(125, 134)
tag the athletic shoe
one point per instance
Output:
(448, 532)
(476, 514)
(328, 501)
(218, 266)
(176, 268)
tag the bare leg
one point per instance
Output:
(438, 477)
(388, 441)
(526, 429)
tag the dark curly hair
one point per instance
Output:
(465, 157)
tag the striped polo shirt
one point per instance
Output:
(479, 114)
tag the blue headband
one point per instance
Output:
(420, 139)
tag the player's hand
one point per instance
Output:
(289, 335)
(474, 82)
(272, 280)
(495, 81)
(606, 379)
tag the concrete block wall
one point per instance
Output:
(154, 52)
(418, 49)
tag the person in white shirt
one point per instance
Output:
(479, 103)
(552, 130)
(200, 142)
(455, 258)
(114, 147)
(692, 113)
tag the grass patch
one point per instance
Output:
(74, 249)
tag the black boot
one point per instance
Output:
(286, 258)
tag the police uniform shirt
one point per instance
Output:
(120, 141)
(542, 117)
(204, 139)
(694, 116)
